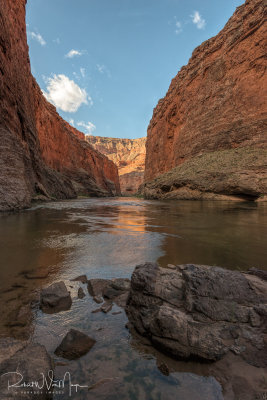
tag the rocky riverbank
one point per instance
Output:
(207, 315)
(236, 174)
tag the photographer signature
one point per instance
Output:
(45, 383)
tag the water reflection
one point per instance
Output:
(107, 238)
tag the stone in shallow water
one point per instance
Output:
(74, 345)
(98, 299)
(55, 298)
(116, 288)
(81, 293)
(97, 310)
(96, 286)
(80, 278)
(31, 361)
(38, 274)
(106, 307)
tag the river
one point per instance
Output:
(106, 238)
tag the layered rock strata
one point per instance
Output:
(40, 154)
(216, 103)
(128, 155)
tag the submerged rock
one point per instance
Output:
(96, 286)
(199, 311)
(33, 364)
(98, 299)
(38, 274)
(106, 307)
(116, 290)
(74, 345)
(116, 287)
(55, 298)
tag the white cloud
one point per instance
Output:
(198, 20)
(178, 27)
(74, 53)
(65, 94)
(38, 37)
(88, 126)
(82, 71)
(57, 41)
(71, 121)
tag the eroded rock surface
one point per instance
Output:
(128, 155)
(213, 116)
(200, 311)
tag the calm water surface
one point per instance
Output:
(106, 238)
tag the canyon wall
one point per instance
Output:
(213, 116)
(128, 155)
(40, 154)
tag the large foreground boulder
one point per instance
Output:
(196, 311)
(25, 364)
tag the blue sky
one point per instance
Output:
(106, 63)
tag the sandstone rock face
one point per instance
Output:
(37, 147)
(128, 155)
(215, 103)
(200, 311)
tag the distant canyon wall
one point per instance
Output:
(40, 153)
(213, 113)
(128, 155)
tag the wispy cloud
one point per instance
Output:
(102, 69)
(178, 27)
(57, 41)
(82, 71)
(89, 127)
(36, 36)
(74, 53)
(198, 20)
(71, 121)
(65, 94)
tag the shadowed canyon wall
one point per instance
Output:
(128, 155)
(40, 153)
(207, 136)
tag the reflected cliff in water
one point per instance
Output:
(106, 238)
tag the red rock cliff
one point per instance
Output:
(218, 101)
(128, 155)
(39, 152)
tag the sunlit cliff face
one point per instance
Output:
(128, 155)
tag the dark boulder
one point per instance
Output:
(55, 298)
(81, 293)
(74, 345)
(199, 311)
